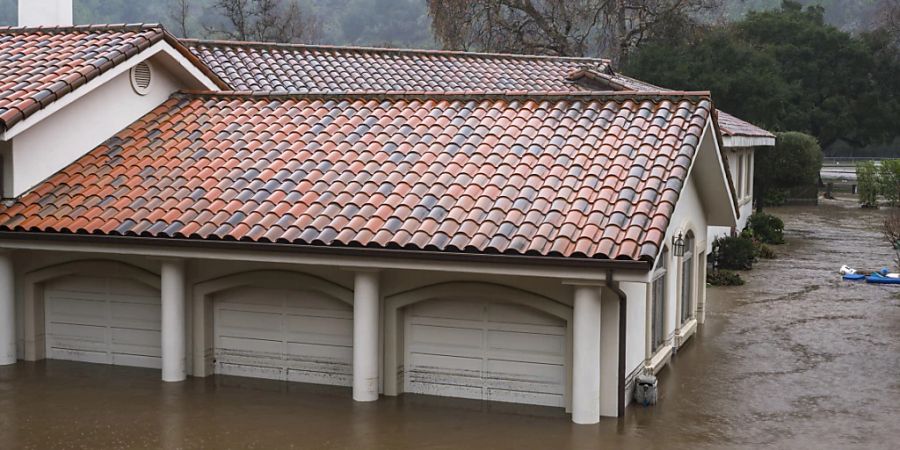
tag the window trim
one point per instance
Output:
(659, 283)
(688, 272)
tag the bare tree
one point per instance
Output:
(559, 27)
(180, 14)
(891, 229)
(888, 18)
(266, 21)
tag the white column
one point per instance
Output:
(586, 356)
(609, 356)
(365, 336)
(173, 331)
(7, 310)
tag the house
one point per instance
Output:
(457, 224)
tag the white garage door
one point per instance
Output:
(103, 320)
(286, 335)
(489, 351)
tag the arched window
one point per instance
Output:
(687, 279)
(658, 302)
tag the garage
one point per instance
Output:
(288, 335)
(103, 320)
(485, 350)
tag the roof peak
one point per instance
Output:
(82, 28)
(411, 51)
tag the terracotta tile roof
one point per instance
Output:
(40, 65)
(306, 68)
(604, 78)
(571, 175)
(732, 126)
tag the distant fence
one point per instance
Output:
(842, 170)
(849, 160)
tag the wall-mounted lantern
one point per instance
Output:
(678, 245)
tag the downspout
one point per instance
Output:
(623, 321)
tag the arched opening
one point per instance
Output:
(480, 341)
(98, 311)
(279, 325)
(688, 279)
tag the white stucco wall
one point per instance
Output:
(688, 215)
(744, 193)
(635, 340)
(6, 171)
(71, 132)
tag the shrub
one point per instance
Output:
(867, 179)
(795, 161)
(724, 278)
(891, 229)
(734, 253)
(764, 251)
(775, 197)
(766, 228)
(889, 180)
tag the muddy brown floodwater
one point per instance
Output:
(794, 359)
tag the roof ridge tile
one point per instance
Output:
(457, 95)
(113, 27)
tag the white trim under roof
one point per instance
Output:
(232, 251)
(158, 48)
(747, 141)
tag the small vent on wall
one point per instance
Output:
(141, 76)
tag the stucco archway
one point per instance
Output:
(34, 281)
(204, 292)
(395, 304)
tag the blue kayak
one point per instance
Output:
(854, 277)
(877, 278)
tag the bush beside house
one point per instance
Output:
(741, 251)
(793, 164)
(766, 228)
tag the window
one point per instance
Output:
(748, 166)
(658, 303)
(687, 279)
(739, 182)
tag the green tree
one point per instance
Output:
(787, 70)
(889, 181)
(867, 184)
(794, 162)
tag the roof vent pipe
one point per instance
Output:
(34, 13)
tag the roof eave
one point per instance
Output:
(720, 149)
(368, 252)
(735, 141)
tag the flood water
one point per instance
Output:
(794, 359)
